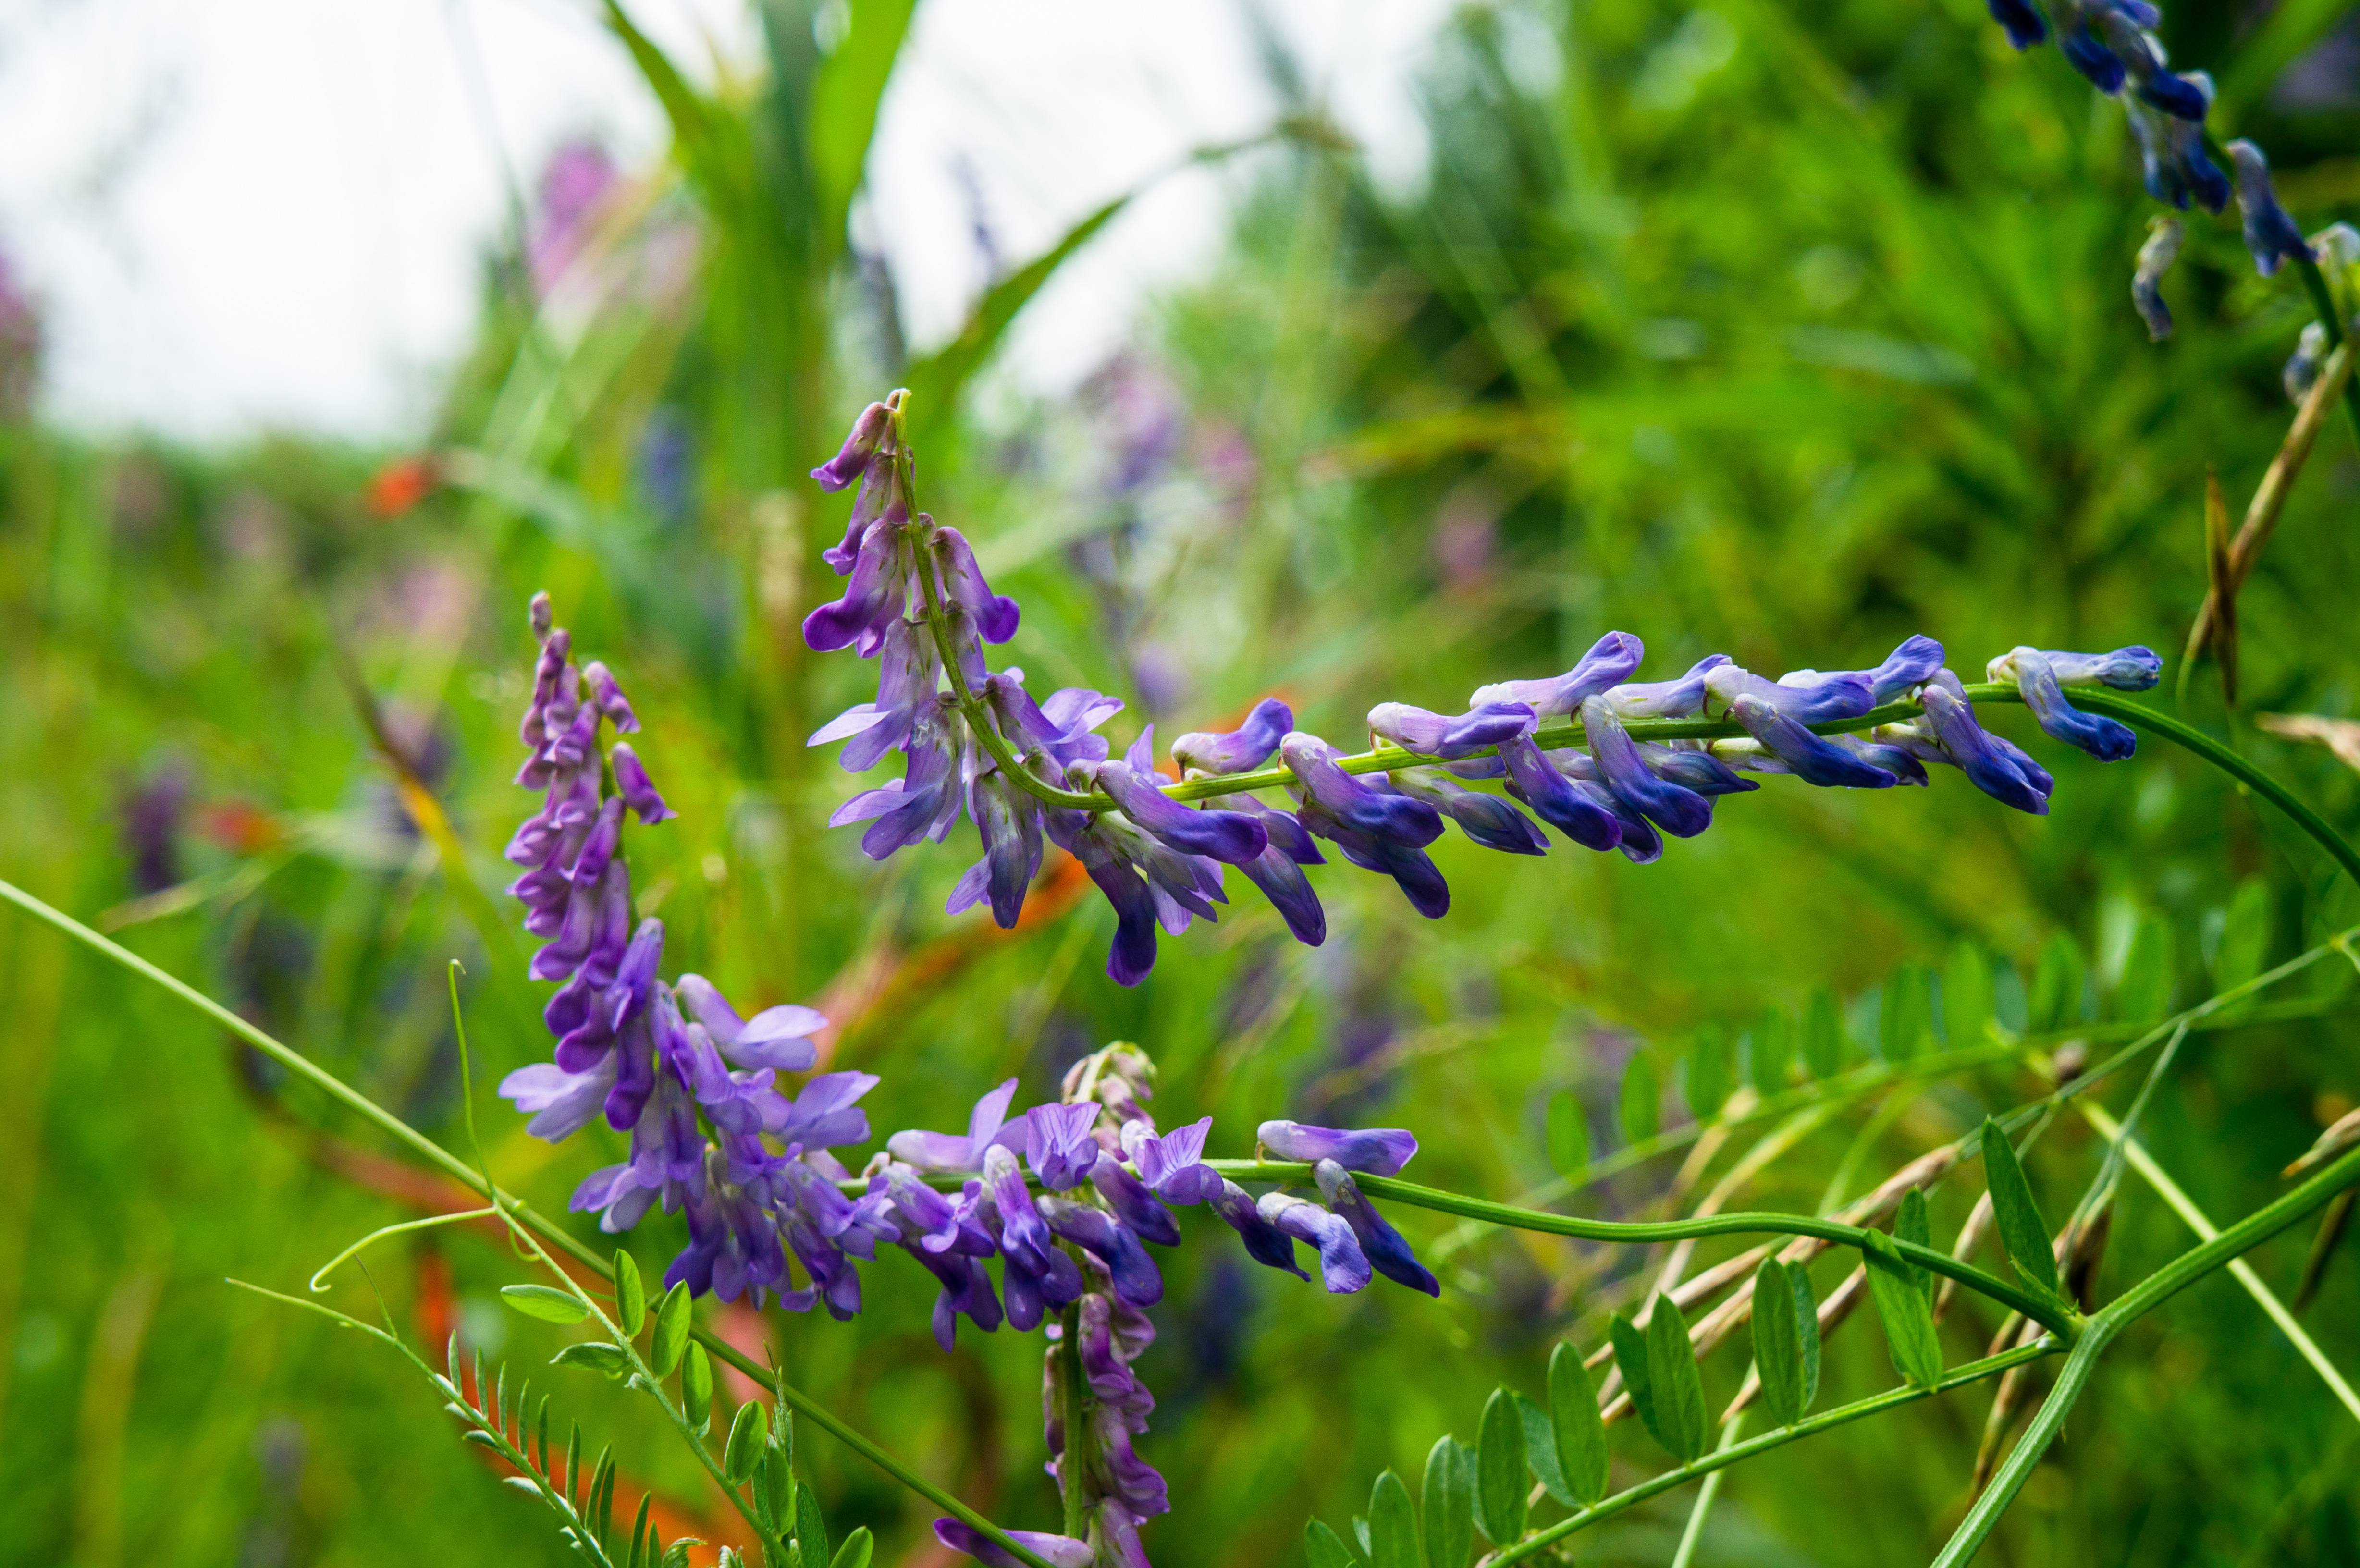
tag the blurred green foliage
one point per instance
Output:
(1779, 330)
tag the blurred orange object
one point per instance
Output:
(239, 825)
(401, 484)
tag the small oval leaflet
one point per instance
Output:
(1450, 1502)
(1778, 1344)
(671, 1330)
(1325, 1549)
(747, 1435)
(544, 1301)
(1823, 1036)
(1540, 1448)
(1580, 1427)
(1677, 1382)
(1902, 1307)
(856, 1551)
(696, 1388)
(2017, 1216)
(1499, 1470)
(1393, 1525)
(597, 1355)
(630, 1301)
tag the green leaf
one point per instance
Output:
(1393, 1524)
(1907, 1316)
(676, 1555)
(671, 1330)
(696, 1388)
(1580, 1431)
(1642, 1105)
(844, 95)
(1631, 1359)
(1360, 1534)
(597, 1355)
(1707, 1082)
(1450, 1503)
(544, 1301)
(1912, 1224)
(1678, 1381)
(630, 1301)
(1770, 1052)
(747, 1432)
(1778, 1344)
(2056, 999)
(2145, 994)
(640, 1532)
(857, 1548)
(2244, 936)
(1823, 1035)
(1325, 1549)
(778, 1479)
(1967, 997)
(811, 1529)
(1807, 1328)
(1568, 1134)
(1904, 1014)
(1499, 1470)
(1540, 1448)
(2016, 1215)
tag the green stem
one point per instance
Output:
(2060, 1321)
(1721, 1459)
(2322, 300)
(2013, 1471)
(461, 1171)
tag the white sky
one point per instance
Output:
(249, 213)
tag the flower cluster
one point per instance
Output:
(974, 742)
(2112, 43)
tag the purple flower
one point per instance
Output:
(967, 1292)
(1171, 1164)
(909, 676)
(631, 783)
(1133, 1203)
(2101, 737)
(2155, 259)
(1343, 1266)
(823, 1114)
(1907, 667)
(1058, 1143)
(1008, 822)
(1451, 735)
(1486, 819)
(2178, 167)
(1555, 798)
(2132, 668)
(2142, 64)
(1234, 837)
(1896, 760)
(1265, 1243)
(1805, 696)
(1380, 1151)
(2024, 25)
(987, 1125)
(874, 596)
(1379, 1243)
(1137, 1280)
(852, 459)
(2270, 234)
(776, 1037)
(1394, 818)
(1241, 750)
(925, 801)
(1278, 872)
(1809, 758)
(1698, 770)
(1610, 660)
(609, 698)
(561, 1103)
(1964, 742)
(1058, 1551)
(993, 615)
(1664, 699)
(1674, 808)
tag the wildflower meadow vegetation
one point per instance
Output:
(1640, 852)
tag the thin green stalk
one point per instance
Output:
(2322, 300)
(1706, 1495)
(2059, 1320)
(461, 1171)
(2016, 1468)
(1736, 1453)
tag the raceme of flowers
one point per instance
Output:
(2112, 43)
(917, 601)
(1066, 1195)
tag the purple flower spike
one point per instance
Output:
(1986, 767)
(1058, 1551)
(1609, 662)
(1058, 1143)
(993, 615)
(2270, 234)
(1486, 819)
(1664, 699)
(1379, 1243)
(1556, 799)
(987, 1125)
(1394, 818)
(1380, 1151)
(868, 434)
(1808, 757)
(1133, 1203)
(1910, 665)
(1265, 1243)
(1171, 1164)
(631, 781)
(1232, 837)
(1806, 696)
(1137, 1282)
(1241, 750)
(1676, 810)
(1450, 736)
(1343, 1266)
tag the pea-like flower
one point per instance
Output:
(1241, 750)
(1382, 1245)
(988, 1124)
(1265, 1243)
(2036, 677)
(1378, 1151)
(1609, 662)
(2163, 237)
(1451, 735)
(1171, 1164)
(1344, 1268)
(2270, 234)
(1811, 757)
(1058, 1551)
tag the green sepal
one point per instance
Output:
(1902, 1307)
(671, 1330)
(1393, 1524)
(1678, 1381)
(2017, 1216)
(696, 1388)
(544, 1301)
(631, 1301)
(857, 1548)
(747, 1435)
(1450, 1503)
(1540, 1448)
(597, 1355)
(1323, 1548)
(1580, 1429)
(1499, 1470)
